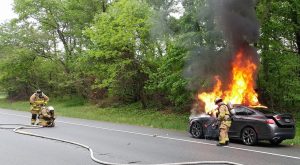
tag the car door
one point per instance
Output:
(239, 118)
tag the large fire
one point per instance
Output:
(240, 89)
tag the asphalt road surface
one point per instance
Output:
(125, 144)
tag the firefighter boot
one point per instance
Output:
(221, 144)
(33, 121)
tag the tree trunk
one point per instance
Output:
(104, 3)
(298, 39)
(295, 14)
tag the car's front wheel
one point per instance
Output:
(196, 130)
(249, 136)
(276, 141)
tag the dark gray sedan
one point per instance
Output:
(249, 124)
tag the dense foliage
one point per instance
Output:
(125, 51)
(279, 78)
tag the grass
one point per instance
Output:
(296, 140)
(2, 95)
(131, 114)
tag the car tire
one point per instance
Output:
(196, 130)
(275, 142)
(249, 136)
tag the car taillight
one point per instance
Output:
(270, 121)
(277, 117)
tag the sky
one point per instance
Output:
(6, 12)
(179, 11)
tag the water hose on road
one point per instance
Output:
(19, 127)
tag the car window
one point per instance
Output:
(249, 112)
(241, 111)
(266, 111)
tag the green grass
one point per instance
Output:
(131, 114)
(2, 95)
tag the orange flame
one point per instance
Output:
(240, 90)
(208, 98)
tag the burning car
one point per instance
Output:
(249, 124)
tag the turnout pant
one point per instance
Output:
(34, 115)
(224, 128)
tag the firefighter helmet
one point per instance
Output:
(218, 100)
(39, 91)
(50, 108)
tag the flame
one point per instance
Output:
(208, 98)
(240, 89)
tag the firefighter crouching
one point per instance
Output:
(37, 100)
(46, 117)
(225, 122)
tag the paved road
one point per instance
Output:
(125, 144)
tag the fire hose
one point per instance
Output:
(21, 127)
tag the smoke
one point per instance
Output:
(164, 9)
(230, 25)
(237, 20)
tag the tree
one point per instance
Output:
(52, 32)
(180, 40)
(63, 19)
(168, 81)
(279, 79)
(27, 62)
(119, 51)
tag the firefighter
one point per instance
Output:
(225, 122)
(37, 100)
(46, 117)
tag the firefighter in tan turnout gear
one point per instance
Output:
(225, 122)
(46, 117)
(37, 100)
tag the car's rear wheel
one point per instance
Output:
(275, 141)
(249, 136)
(196, 130)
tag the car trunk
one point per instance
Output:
(282, 120)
